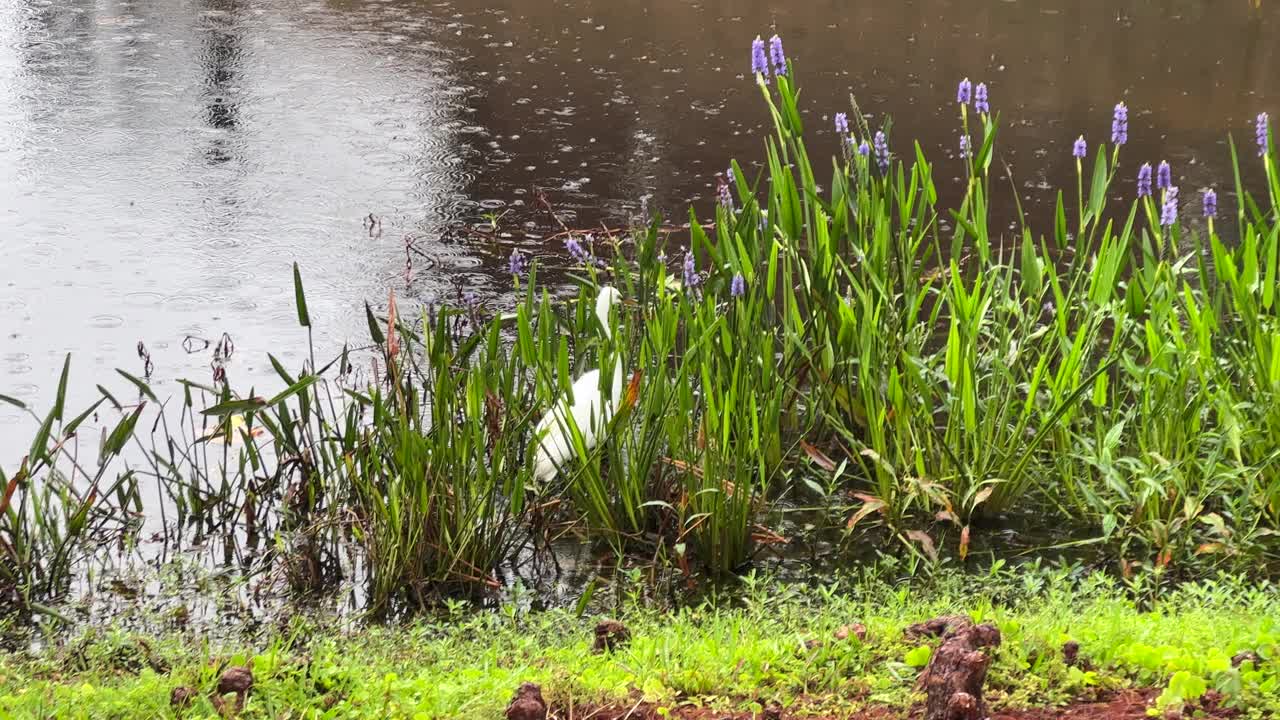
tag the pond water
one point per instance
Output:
(164, 162)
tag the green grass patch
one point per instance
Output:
(776, 642)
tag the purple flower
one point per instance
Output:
(965, 150)
(692, 278)
(963, 92)
(1079, 149)
(759, 65)
(1262, 134)
(724, 195)
(1169, 211)
(1120, 125)
(776, 56)
(842, 123)
(1164, 176)
(728, 175)
(882, 151)
(1144, 180)
(864, 149)
(980, 99)
(738, 287)
(517, 265)
(1210, 203)
(579, 253)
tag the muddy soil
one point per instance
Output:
(1124, 705)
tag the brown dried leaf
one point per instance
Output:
(819, 458)
(926, 543)
(869, 505)
(982, 495)
(393, 338)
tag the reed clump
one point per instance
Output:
(848, 339)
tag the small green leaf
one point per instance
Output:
(143, 388)
(587, 593)
(918, 657)
(232, 407)
(304, 318)
(59, 403)
(375, 331)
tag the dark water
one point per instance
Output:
(163, 162)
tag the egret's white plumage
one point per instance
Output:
(589, 410)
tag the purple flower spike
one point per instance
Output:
(842, 123)
(965, 150)
(517, 265)
(980, 99)
(579, 253)
(1210, 203)
(882, 150)
(1079, 149)
(1120, 125)
(1261, 130)
(1144, 180)
(1169, 211)
(725, 196)
(963, 92)
(776, 56)
(692, 278)
(864, 149)
(759, 64)
(1164, 176)
(738, 287)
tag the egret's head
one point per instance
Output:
(607, 298)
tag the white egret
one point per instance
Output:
(589, 410)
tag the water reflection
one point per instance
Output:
(165, 161)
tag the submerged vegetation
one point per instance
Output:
(832, 342)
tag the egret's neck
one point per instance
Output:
(602, 312)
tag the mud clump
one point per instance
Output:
(527, 704)
(772, 711)
(181, 697)
(610, 635)
(236, 679)
(857, 630)
(955, 674)
(1245, 656)
(938, 627)
(1071, 653)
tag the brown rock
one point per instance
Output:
(181, 697)
(610, 635)
(772, 711)
(527, 704)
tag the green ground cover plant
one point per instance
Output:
(788, 644)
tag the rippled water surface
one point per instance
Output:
(163, 162)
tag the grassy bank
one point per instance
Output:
(798, 647)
